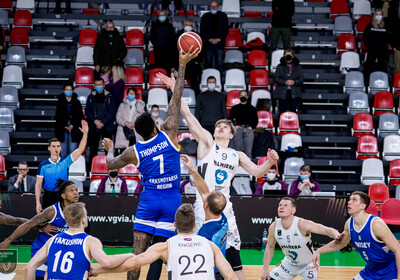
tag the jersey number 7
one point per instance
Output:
(161, 158)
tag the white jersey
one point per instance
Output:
(190, 257)
(297, 248)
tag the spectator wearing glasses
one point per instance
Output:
(22, 182)
(113, 184)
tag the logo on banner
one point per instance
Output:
(220, 176)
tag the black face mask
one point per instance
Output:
(113, 174)
(243, 99)
(288, 58)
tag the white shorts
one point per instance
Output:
(287, 271)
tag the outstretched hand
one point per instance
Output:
(169, 81)
(184, 58)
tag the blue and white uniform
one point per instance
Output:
(381, 261)
(216, 230)
(159, 163)
(68, 257)
(51, 171)
(41, 238)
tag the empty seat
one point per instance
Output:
(154, 81)
(339, 8)
(390, 211)
(134, 57)
(134, 39)
(134, 77)
(234, 79)
(157, 96)
(362, 22)
(349, 61)
(259, 94)
(208, 73)
(255, 34)
(26, 5)
(361, 8)
(288, 123)
(372, 172)
(259, 80)
(290, 141)
(372, 209)
(94, 185)
(77, 170)
(84, 57)
(87, 37)
(275, 59)
(5, 147)
(362, 125)
(4, 19)
(378, 81)
(16, 56)
(354, 81)
(391, 147)
(396, 84)
(3, 172)
(232, 99)
(343, 24)
(7, 119)
(129, 172)
(23, 18)
(367, 147)
(388, 125)
(184, 170)
(394, 172)
(84, 76)
(12, 76)
(346, 42)
(6, 5)
(19, 37)
(185, 135)
(83, 93)
(189, 96)
(265, 120)
(292, 170)
(383, 103)
(379, 193)
(234, 39)
(358, 103)
(257, 58)
(233, 56)
(99, 167)
(9, 97)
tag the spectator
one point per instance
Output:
(165, 4)
(162, 36)
(113, 183)
(244, 117)
(272, 182)
(110, 48)
(100, 112)
(22, 183)
(54, 168)
(69, 116)
(67, 7)
(210, 106)
(305, 184)
(193, 68)
(155, 113)
(289, 79)
(282, 13)
(375, 38)
(127, 113)
(115, 83)
(214, 27)
(395, 43)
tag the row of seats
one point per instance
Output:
(389, 210)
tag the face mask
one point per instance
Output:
(154, 115)
(113, 174)
(109, 33)
(211, 86)
(99, 88)
(188, 28)
(288, 57)
(213, 11)
(303, 177)
(131, 97)
(378, 17)
(271, 176)
(243, 99)
(68, 93)
(162, 18)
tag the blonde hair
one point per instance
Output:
(105, 69)
(118, 73)
(74, 214)
(228, 123)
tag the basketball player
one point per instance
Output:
(67, 195)
(371, 237)
(293, 235)
(217, 164)
(70, 253)
(157, 158)
(188, 256)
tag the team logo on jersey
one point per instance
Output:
(295, 234)
(220, 176)
(359, 237)
(279, 232)
(293, 255)
(188, 239)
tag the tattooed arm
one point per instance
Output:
(171, 125)
(10, 220)
(127, 157)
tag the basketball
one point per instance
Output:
(188, 39)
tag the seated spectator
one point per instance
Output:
(127, 113)
(22, 183)
(305, 184)
(188, 186)
(289, 79)
(68, 120)
(115, 83)
(155, 113)
(272, 182)
(113, 183)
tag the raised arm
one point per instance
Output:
(82, 145)
(269, 251)
(108, 261)
(222, 264)
(307, 226)
(127, 157)
(39, 259)
(10, 220)
(198, 180)
(258, 170)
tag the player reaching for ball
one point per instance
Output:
(158, 160)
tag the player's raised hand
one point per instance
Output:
(169, 81)
(85, 127)
(188, 163)
(272, 156)
(316, 259)
(184, 58)
(107, 144)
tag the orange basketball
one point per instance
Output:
(188, 39)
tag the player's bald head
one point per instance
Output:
(216, 202)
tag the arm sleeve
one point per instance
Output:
(89, 110)
(109, 116)
(232, 114)
(280, 78)
(284, 186)
(120, 117)
(124, 186)
(225, 27)
(203, 29)
(254, 118)
(294, 190)
(223, 107)
(259, 189)
(317, 187)
(96, 51)
(102, 185)
(197, 112)
(123, 51)
(40, 171)
(366, 35)
(299, 81)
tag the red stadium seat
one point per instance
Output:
(152, 60)
(260, 161)
(234, 39)
(257, 58)
(390, 211)
(3, 171)
(383, 103)
(289, 123)
(363, 125)
(396, 84)
(23, 18)
(87, 37)
(6, 5)
(154, 81)
(99, 167)
(139, 92)
(134, 39)
(372, 209)
(394, 172)
(259, 80)
(91, 11)
(232, 99)
(134, 76)
(185, 135)
(185, 13)
(19, 37)
(266, 120)
(378, 192)
(367, 147)
(363, 48)
(252, 14)
(346, 42)
(129, 172)
(84, 77)
(362, 22)
(339, 8)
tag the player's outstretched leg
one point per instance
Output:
(141, 241)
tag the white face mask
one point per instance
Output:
(271, 176)
(378, 17)
(154, 115)
(188, 28)
(211, 86)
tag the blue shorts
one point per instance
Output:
(389, 273)
(37, 244)
(156, 215)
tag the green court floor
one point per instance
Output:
(249, 257)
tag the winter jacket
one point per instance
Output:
(109, 53)
(207, 30)
(162, 35)
(283, 11)
(108, 110)
(62, 117)
(375, 38)
(282, 75)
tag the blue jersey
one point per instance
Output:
(216, 230)
(381, 261)
(67, 257)
(159, 163)
(51, 171)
